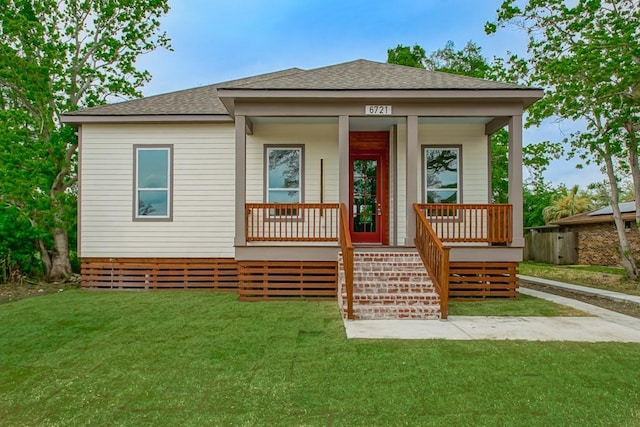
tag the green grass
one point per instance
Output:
(193, 359)
(524, 305)
(609, 278)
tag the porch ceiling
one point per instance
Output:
(369, 123)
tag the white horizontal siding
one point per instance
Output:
(475, 169)
(320, 142)
(203, 192)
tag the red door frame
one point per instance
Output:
(371, 146)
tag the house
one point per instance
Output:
(596, 238)
(282, 184)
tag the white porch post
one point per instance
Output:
(343, 156)
(515, 178)
(241, 176)
(411, 178)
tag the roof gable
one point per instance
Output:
(368, 75)
(356, 75)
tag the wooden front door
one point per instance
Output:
(369, 187)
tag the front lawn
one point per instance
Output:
(608, 278)
(199, 358)
(524, 305)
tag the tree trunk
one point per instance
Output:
(60, 264)
(635, 169)
(46, 259)
(628, 260)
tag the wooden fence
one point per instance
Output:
(551, 246)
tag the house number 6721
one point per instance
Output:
(377, 110)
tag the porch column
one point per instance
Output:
(241, 175)
(515, 178)
(343, 156)
(411, 177)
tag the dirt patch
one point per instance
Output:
(628, 308)
(16, 291)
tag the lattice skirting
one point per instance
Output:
(260, 280)
(160, 273)
(253, 280)
(483, 279)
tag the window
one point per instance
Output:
(284, 176)
(152, 171)
(441, 174)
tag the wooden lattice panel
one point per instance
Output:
(160, 273)
(287, 279)
(483, 279)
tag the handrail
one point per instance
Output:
(347, 258)
(435, 257)
(291, 222)
(470, 223)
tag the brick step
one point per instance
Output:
(405, 262)
(393, 287)
(400, 299)
(375, 274)
(389, 276)
(383, 312)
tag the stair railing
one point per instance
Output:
(435, 258)
(347, 258)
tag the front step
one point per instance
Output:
(390, 285)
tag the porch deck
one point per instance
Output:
(463, 247)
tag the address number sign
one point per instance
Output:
(377, 110)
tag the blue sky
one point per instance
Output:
(221, 40)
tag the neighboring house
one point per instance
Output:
(258, 184)
(596, 236)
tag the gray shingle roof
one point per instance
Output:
(356, 75)
(196, 101)
(368, 75)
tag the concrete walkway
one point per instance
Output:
(602, 326)
(615, 296)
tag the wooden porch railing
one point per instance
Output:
(347, 258)
(435, 258)
(470, 222)
(292, 222)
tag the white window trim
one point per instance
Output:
(268, 188)
(425, 186)
(169, 189)
(297, 213)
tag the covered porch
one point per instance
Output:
(470, 250)
(463, 247)
(368, 157)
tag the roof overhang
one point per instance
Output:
(79, 119)
(586, 219)
(525, 96)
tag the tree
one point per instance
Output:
(599, 193)
(58, 56)
(537, 196)
(405, 55)
(566, 205)
(470, 62)
(587, 55)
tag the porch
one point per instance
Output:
(462, 247)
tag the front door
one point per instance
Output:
(369, 177)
